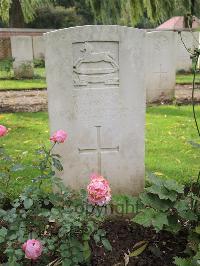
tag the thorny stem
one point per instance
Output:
(8, 180)
(193, 88)
(195, 55)
(46, 161)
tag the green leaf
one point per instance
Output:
(106, 244)
(159, 221)
(144, 217)
(162, 192)
(155, 179)
(86, 250)
(182, 262)
(171, 184)
(67, 262)
(174, 225)
(184, 210)
(138, 251)
(28, 203)
(3, 234)
(155, 202)
(97, 238)
(86, 237)
(57, 164)
(197, 229)
(181, 205)
(149, 216)
(188, 215)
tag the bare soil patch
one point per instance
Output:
(161, 247)
(23, 101)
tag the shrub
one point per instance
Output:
(167, 205)
(47, 225)
(6, 65)
(39, 63)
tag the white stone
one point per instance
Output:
(22, 52)
(95, 77)
(160, 65)
(38, 47)
(183, 60)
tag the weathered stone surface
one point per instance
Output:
(191, 41)
(160, 65)
(95, 77)
(22, 52)
(38, 47)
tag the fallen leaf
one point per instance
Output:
(158, 173)
(142, 246)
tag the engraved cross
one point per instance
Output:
(99, 149)
(160, 72)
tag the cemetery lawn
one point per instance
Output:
(186, 78)
(22, 84)
(168, 153)
(7, 82)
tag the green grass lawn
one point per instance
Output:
(25, 84)
(38, 82)
(186, 78)
(168, 153)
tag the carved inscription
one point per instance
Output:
(99, 149)
(162, 76)
(95, 64)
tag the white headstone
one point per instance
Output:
(191, 41)
(160, 65)
(38, 47)
(96, 93)
(22, 52)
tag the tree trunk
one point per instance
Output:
(16, 18)
(193, 7)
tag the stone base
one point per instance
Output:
(156, 96)
(23, 69)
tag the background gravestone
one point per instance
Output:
(22, 52)
(38, 47)
(160, 65)
(96, 93)
(183, 60)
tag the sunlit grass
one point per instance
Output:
(168, 153)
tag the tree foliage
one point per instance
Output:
(130, 12)
(56, 18)
(133, 12)
(64, 14)
(26, 7)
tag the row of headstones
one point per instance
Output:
(97, 78)
(165, 54)
(24, 50)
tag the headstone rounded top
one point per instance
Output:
(93, 28)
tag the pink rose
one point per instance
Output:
(59, 136)
(32, 248)
(3, 131)
(99, 192)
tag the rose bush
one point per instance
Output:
(60, 222)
